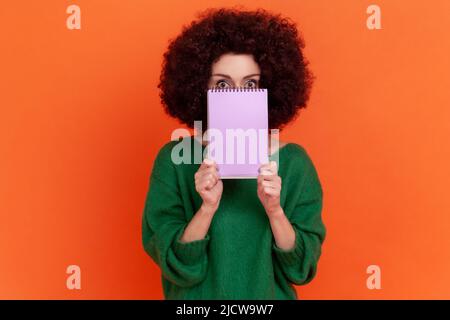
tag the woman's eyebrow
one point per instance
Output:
(252, 75)
(222, 75)
(228, 77)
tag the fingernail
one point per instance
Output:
(208, 161)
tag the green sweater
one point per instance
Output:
(238, 258)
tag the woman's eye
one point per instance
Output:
(222, 84)
(251, 84)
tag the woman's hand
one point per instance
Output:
(209, 185)
(269, 189)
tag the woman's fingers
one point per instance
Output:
(207, 163)
(208, 171)
(269, 185)
(207, 182)
(270, 168)
(268, 176)
(207, 175)
(207, 166)
(275, 178)
(207, 179)
(271, 191)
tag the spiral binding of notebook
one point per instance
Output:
(236, 89)
(241, 110)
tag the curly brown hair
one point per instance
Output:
(274, 42)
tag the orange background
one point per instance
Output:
(81, 123)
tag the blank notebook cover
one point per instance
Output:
(240, 116)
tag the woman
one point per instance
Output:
(244, 238)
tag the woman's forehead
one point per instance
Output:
(236, 65)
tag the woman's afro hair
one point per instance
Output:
(274, 42)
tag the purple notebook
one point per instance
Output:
(238, 131)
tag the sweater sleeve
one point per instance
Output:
(163, 223)
(300, 263)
